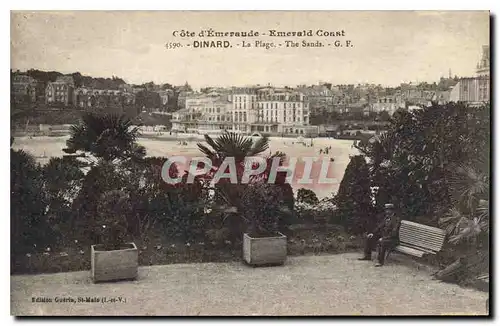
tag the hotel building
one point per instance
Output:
(475, 90)
(23, 89)
(251, 110)
(60, 91)
(87, 98)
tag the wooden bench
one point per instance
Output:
(418, 239)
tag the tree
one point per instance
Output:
(233, 145)
(228, 196)
(105, 136)
(62, 180)
(409, 163)
(353, 200)
(434, 162)
(30, 230)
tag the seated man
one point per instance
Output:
(384, 237)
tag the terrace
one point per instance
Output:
(305, 285)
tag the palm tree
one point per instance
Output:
(233, 145)
(230, 198)
(467, 223)
(469, 218)
(238, 147)
(107, 137)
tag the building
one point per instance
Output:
(216, 116)
(204, 113)
(244, 109)
(165, 96)
(23, 89)
(60, 92)
(248, 110)
(185, 120)
(280, 111)
(183, 92)
(475, 90)
(483, 66)
(442, 97)
(126, 88)
(472, 90)
(182, 96)
(390, 104)
(103, 99)
(320, 97)
(413, 94)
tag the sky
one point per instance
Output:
(388, 48)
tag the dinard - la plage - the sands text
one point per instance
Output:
(268, 39)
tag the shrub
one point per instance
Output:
(353, 201)
(320, 212)
(178, 210)
(100, 179)
(307, 196)
(410, 162)
(30, 229)
(111, 223)
(264, 206)
(63, 180)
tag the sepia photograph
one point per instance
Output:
(250, 163)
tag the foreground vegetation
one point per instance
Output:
(432, 164)
(105, 189)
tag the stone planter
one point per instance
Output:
(266, 250)
(114, 265)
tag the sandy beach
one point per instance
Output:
(45, 147)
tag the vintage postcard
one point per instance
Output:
(250, 163)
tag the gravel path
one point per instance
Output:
(307, 285)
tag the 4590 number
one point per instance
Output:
(173, 45)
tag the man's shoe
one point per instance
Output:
(365, 258)
(378, 265)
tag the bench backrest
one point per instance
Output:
(422, 236)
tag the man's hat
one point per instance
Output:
(389, 206)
